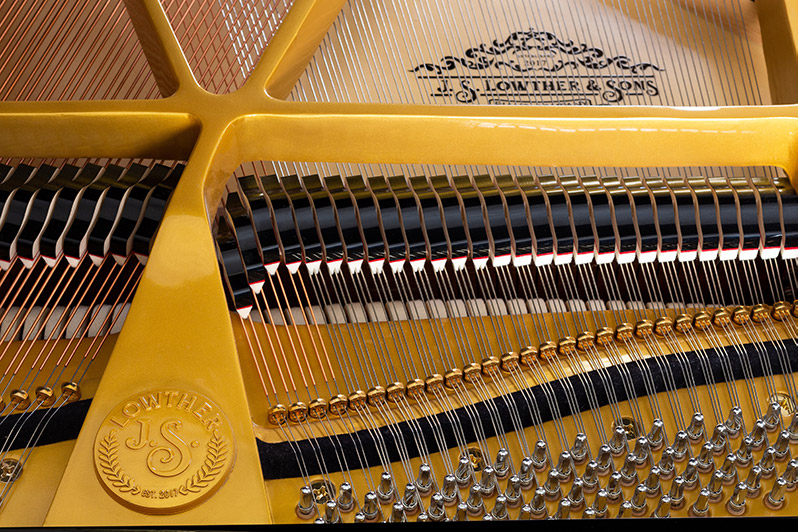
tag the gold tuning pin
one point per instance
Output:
(45, 396)
(71, 391)
(19, 400)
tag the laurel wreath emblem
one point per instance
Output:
(108, 456)
(215, 458)
(211, 467)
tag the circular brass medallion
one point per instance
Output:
(163, 451)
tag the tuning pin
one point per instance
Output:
(793, 428)
(552, 486)
(753, 482)
(464, 474)
(745, 452)
(639, 503)
(540, 455)
(604, 459)
(700, 507)
(450, 492)
(618, 444)
(502, 465)
(663, 508)
(487, 517)
(719, 439)
(475, 504)
(642, 452)
(706, 460)
(424, 482)
(306, 507)
(565, 466)
(676, 493)
(775, 499)
(371, 507)
(512, 493)
(715, 486)
(600, 503)
(461, 514)
(499, 511)
(590, 478)
(690, 474)
(423, 517)
(436, 510)
(319, 521)
(681, 446)
(526, 513)
(656, 436)
(759, 433)
(589, 513)
(579, 449)
(614, 484)
(782, 445)
(397, 513)
(736, 503)
(773, 417)
(488, 483)
(651, 483)
(768, 462)
(385, 490)
(629, 470)
(625, 510)
(411, 499)
(667, 466)
(729, 469)
(734, 423)
(538, 505)
(526, 473)
(332, 514)
(576, 496)
(791, 474)
(360, 517)
(563, 510)
(346, 501)
(696, 429)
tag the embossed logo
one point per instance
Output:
(164, 451)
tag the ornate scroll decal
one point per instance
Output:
(539, 66)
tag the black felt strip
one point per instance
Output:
(278, 460)
(57, 426)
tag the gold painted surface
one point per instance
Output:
(30, 498)
(178, 332)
